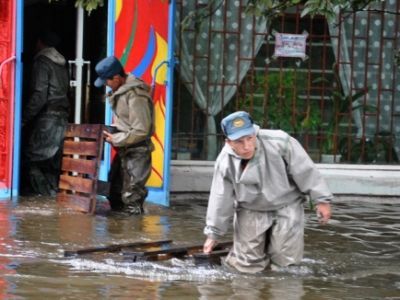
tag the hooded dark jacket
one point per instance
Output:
(48, 107)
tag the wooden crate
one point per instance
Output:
(83, 148)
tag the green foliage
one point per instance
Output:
(87, 5)
(268, 8)
(330, 8)
(342, 105)
(273, 8)
(397, 58)
(327, 8)
(379, 149)
(277, 105)
(197, 16)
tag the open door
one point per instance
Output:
(8, 65)
(83, 43)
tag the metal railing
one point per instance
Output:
(355, 120)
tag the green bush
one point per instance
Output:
(276, 103)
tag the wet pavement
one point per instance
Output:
(355, 256)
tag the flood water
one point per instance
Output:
(355, 256)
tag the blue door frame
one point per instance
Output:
(13, 191)
(156, 195)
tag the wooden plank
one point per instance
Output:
(77, 184)
(163, 254)
(83, 166)
(77, 202)
(209, 259)
(81, 148)
(115, 247)
(213, 253)
(90, 131)
(156, 254)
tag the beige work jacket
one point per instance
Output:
(133, 112)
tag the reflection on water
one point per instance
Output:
(356, 256)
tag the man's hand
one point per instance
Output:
(323, 212)
(107, 136)
(209, 245)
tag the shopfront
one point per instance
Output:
(139, 33)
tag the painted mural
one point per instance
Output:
(141, 34)
(7, 63)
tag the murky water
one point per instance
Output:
(355, 256)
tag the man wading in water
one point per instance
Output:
(132, 105)
(260, 178)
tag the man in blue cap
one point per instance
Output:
(131, 102)
(260, 179)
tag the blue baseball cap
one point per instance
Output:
(237, 125)
(107, 68)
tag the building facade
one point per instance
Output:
(332, 85)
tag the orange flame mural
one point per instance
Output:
(141, 31)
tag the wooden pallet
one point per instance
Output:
(116, 247)
(191, 251)
(78, 185)
(164, 249)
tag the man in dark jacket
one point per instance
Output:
(45, 116)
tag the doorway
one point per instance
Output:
(60, 17)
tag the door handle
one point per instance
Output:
(3, 63)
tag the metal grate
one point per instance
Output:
(341, 100)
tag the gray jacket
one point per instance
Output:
(280, 173)
(133, 110)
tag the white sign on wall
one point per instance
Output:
(290, 45)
